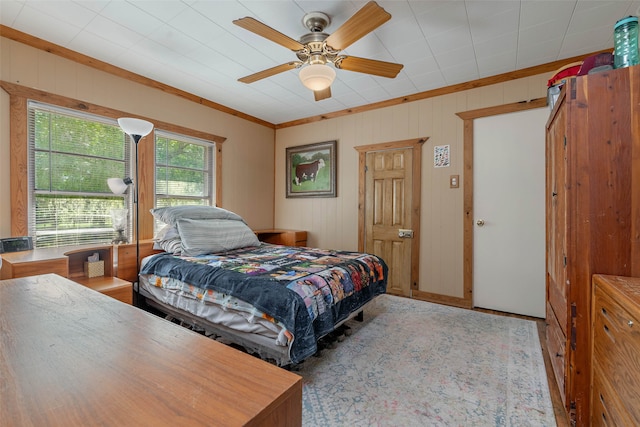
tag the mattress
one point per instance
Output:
(291, 296)
(216, 308)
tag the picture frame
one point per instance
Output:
(311, 170)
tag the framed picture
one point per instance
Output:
(311, 170)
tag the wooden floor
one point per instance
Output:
(562, 419)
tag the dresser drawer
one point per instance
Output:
(604, 405)
(616, 350)
(556, 343)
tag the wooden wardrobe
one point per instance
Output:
(593, 215)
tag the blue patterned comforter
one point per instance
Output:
(307, 290)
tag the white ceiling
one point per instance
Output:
(192, 44)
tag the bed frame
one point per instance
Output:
(255, 344)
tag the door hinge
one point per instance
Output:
(574, 314)
(565, 141)
(564, 261)
(366, 168)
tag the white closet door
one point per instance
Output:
(509, 210)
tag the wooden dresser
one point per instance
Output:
(615, 391)
(593, 215)
(73, 357)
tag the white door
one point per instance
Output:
(509, 209)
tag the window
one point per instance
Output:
(71, 155)
(184, 170)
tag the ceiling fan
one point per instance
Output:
(315, 50)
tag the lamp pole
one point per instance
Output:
(136, 129)
(136, 139)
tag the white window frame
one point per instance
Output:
(208, 197)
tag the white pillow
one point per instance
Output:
(166, 233)
(168, 240)
(170, 246)
(171, 214)
(214, 235)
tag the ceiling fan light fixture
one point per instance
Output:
(317, 76)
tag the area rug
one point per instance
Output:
(413, 363)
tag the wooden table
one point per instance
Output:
(70, 356)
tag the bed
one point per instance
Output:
(212, 273)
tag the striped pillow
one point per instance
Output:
(168, 240)
(171, 214)
(201, 236)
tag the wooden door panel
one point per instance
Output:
(378, 202)
(389, 179)
(398, 217)
(558, 302)
(557, 347)
(557, 291)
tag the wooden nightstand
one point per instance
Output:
(282, 237)
(68, 262)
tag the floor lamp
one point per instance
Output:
(136, 129)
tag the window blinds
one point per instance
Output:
(71, 155)
(184, 170)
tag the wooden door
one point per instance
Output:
(389, 176)
(388, 221)
(556, 218)
(556, 243)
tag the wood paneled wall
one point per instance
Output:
(246, 147)
(333, 222)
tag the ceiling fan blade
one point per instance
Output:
(267, 32)
(322, 94)
(368, 66)
(367, 19)
(270, 72)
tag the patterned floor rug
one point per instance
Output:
(413, 363)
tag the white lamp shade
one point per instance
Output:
(117, 185)
(317, 76)
(133, 126)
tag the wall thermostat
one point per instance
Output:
(16, 244)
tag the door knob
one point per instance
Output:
(480, 222)
(405, 234)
